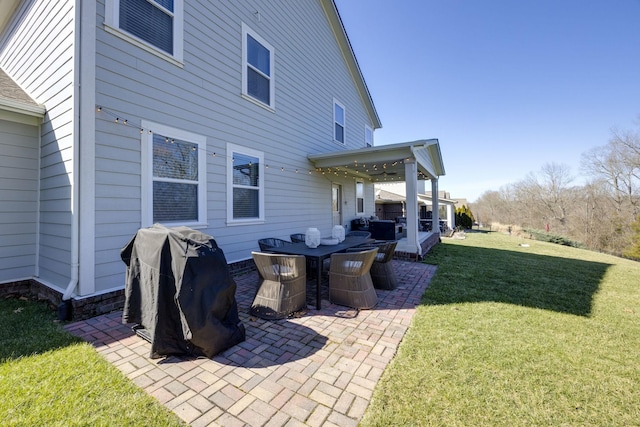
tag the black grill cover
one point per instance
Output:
(178, 288)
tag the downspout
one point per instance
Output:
(65, 306)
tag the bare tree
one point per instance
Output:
(617, 164)
(598, 214)
(547, 195)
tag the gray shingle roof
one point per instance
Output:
(16, 100)
(10, 90)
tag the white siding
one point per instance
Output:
(204, 97)
(19, 195)
(37, 52)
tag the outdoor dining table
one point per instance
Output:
(319, 254)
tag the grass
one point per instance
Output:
(518, 335)
(50, 378)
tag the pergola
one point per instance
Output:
(405, 162)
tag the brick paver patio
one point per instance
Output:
(316, 369)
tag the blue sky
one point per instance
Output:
(506, 86)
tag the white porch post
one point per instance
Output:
(435, 206)
(411, 187)
(451, 216)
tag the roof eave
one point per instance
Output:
(27, 109)
(352, 162)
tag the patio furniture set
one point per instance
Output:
(356, 267)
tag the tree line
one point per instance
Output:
(602, 214)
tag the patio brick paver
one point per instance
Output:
(318, 369)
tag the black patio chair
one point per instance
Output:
(271, 242)
(298, 237)
(358, 233)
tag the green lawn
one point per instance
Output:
(50, 378)
(515, 335)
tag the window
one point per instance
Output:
(257, 68)
(368, 136)
(245, 195)
(174, 176)
(338, 121)
(359, 198)
(152, 24)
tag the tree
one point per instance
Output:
(464, 217)
(546, 198)
(495, 207)
(603, 214)
(618, 165)
(634, 250)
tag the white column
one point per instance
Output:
(411, 190)
(451, 216)
(435, 207)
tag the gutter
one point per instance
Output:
(75, 185)
(33, 110)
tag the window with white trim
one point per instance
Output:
(368, 136)
(339, 113)
(174, 176)
(154, 23)
(245, 184)
(359, 198)
(257, 68)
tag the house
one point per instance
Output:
(391, 202)
(241, 119)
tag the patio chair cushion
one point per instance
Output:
(352, 265)
(283, 270)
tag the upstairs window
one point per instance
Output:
(245, 194)
(150, 23)
(338, 122)
(368, 136)
(257, 68)
(174, 164)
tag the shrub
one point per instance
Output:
(543, 236)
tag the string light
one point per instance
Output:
(355, 168)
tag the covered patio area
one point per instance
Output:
(407, 162)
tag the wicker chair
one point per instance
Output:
(382, 273)
(349, 279)
(283, 290)
(298, 237)
(358, 233)
(271, 242)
